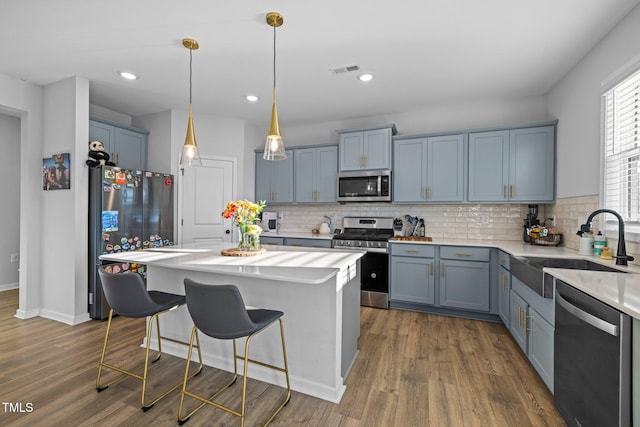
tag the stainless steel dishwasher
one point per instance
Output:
(592, 360)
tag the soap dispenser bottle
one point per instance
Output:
(599, 242)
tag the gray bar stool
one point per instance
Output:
(128, 297)
(219, 312)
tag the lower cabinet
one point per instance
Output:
(271, 240)
(464, 278)
(445, 279)
(533, 330)
(504, 288)
(309, 243)
(412, 279)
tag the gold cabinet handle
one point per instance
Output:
(365, 161)
(414, 251)
(513, 188)
(504, 191)
(519, 316)
(463, 254)
(501, 259)
(526, 324)
(442, 268)
(428, 193)
(431, 269)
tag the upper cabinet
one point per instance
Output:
(274, 179)
(516, 165)
(429, 169)
(126, 146)
(315, 174)
(366, 149)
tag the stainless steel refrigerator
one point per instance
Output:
(129, 210)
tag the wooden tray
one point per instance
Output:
(236, 252)
(412, 238)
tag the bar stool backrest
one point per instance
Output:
(127, 295)
(219, 310)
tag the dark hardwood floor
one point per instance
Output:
(413, 370)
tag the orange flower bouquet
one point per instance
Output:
(245, 215)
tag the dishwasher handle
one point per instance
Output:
(594, 321)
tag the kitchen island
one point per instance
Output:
(318, 290)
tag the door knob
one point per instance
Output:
(227, 231)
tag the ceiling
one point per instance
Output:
(421, 52)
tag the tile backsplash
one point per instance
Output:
(463, 221)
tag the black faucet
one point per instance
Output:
(621, 257)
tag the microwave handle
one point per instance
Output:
(379, 185)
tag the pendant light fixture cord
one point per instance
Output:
(190, 72)
(274, 63)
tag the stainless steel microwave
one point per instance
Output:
(364, 186)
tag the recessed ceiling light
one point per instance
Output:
(252, 98)
(365, 77)
(127, 75)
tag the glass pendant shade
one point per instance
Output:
(190, 155)
(273, 146)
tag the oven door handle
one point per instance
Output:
(594, 321)
(352, 249)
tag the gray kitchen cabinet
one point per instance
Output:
(271, 240)
(516, 165)
(307, 242)
(315, 174)
(504, 288)
(365, 149)
(464, 280)
(126, 146)
(274, 179)
(429, 169)
(532, 326)
(412, 276)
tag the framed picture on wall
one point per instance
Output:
(56, 172)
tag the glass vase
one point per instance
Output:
(248, 241)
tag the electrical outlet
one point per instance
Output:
(485, 219)
(15, 257)
(280, 217)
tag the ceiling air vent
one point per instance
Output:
(345, 69)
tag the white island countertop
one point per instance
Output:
(301, 265)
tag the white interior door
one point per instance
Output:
(205, 192)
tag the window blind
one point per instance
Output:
(622, 148)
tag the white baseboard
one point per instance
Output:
(8, 286)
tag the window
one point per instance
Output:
(622, 150)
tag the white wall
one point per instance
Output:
(575, 101)
(10, 196)
(24, 100)
(64, 212)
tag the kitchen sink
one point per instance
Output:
(529, 271)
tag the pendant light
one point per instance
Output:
(274, 147)
(190, 155)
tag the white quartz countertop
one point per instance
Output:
(306, 265)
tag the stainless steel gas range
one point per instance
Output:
(372, 235)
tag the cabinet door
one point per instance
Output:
(377, 149)
(445, 169)
(540, 341)
(412, 280)
(464, 284)
(103, 133)
(274, 179)
(305, 171)
(326, 174)
(532, 164)
(309, 243)
(282, 178)
(504, 288)
(409, 177)
(351, 147)
(263, 179)
(130, 149)
(518, 316)
(488, 166)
